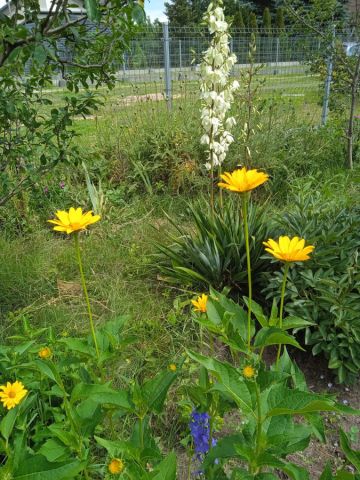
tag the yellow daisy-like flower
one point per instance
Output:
(172, 367)
(289, 249)
(116, 466)
(73, 220)
(243, 180)
(249, 371)
(11, 394)
(45, 353)
(200, 303)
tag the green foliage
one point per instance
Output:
(327, 290)
(279, 18)
(269, 401)
(68, 403)
(213, 253)
(267, 20)
(37, 135)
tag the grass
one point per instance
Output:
(39, 279)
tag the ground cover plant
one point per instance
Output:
(110, 370)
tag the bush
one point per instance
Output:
(328, 290)
(214, 252)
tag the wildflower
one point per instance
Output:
(62, 185)
(172, 367)
(116, 466)
(249, 372)
(200, 304)
(217, 89)
(45, 353)
(289, 249)
(200, 431)
(243, 180)
(12, 394)
(74, 220)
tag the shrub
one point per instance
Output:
(213, 253)
(328, 290)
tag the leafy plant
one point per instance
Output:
(213, 253)
(327, 291)
(268, 398)
(52, 433)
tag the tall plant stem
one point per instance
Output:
(221, 192)
(244, 201)
(258, 427)
(286, 270)
(86, 295)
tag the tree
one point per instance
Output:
(279, 19)
(238, 21)
(33, 48)
(267, 20)
(253, 22)
(321, 19)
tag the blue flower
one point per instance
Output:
(200, 431)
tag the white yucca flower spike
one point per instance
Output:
(217, 90)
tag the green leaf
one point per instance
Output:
(274, 336)
(92, 9)
(230, 381)
(38, 468)
(295, 322)
(79, 346)
(284, 401)
(53, 451)
(327, 474)
(102, 394)
(155, 390)
(8, 422)
(166, 470)
(353, 456)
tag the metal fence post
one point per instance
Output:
(325, 109)
(167, 67)
(180, 56)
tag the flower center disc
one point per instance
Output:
(12, 394)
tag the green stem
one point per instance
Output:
(86, 295)
(248, 262)
(286, 269)
(141, 429)
(258, 427)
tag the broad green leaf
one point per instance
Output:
(92, 9)
(284, 401)
(155, 390)
(353, 456)
(102, 394)
(116, 448)
(230, 381)
(327, 474)
(257, 311)
(8, 422)
(166, 470)
(38, 468)
(295, 322)
(53, 451)
(225, 448)
(78, 345)
(274, 336)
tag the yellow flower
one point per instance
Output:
(243, 180)
(73, 220)
(116, 466)
(249, 371)
(172, 367)
(45, 353)
(12, 394)
(289, 249)
(200, 303)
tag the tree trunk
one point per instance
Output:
(350, 129)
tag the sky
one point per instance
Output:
(154, 9)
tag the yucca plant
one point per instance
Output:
(212, 251)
